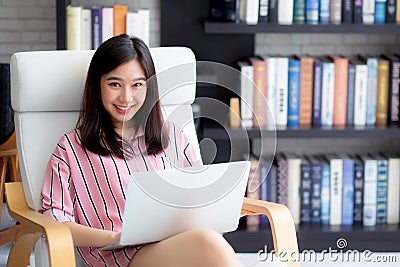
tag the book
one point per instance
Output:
(316, 177)
(340, 90)
(282, 179)
(120, 12)
(234, 112)
(260, 91)
(372, 66)
(96, 27)
(107, 23)
(249, 11)
(271, 89)
(285, 12)
(273, 11)
(264, 186)
(325, 191)
(382, 188)
(347, 11)
(282, 68)
(253, 192)
(350, 94)
(317, 93)
(394, 89)
(348, 191)
(360, 93)
(293, 188)
(382, 98)
(86, 26)
(368, 10)
(397, 12)
(393, 185)
(358, 190)
(138, 24)
(391, 11)
(312, 11)
(272, 193)
(306, 191)
(370, 189)
(324, 11)
(328, 92)
(357, 14)
(263, 11)
(380, 12)
(306, 89)
(336, 182)
(74, 27)
(246, 92)
(335, 11)
(299, 11)
(293, 91)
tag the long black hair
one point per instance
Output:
(94, 122)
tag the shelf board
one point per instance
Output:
(223, 133)
(242, 28)
(316, 237)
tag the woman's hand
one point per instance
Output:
(85, 236)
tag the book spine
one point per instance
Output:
(299, 11)
(282, 183)
(317, 97)
(357, 16)
(306, 90)
(107, 23)
(263, 11)
(294, 92)
(358, 191)
(394, 92)
(312, 11)
(380, 12)
(391, 11)
(282, 66)
(347, 11)
(260, 92)
(273, 11)
(272, 194)
(397, 12)
(252, 11)
(285, 12)
(324, 11)
(264, 167)
(325, 194)
(272, 90)
(340, 91)
(294, 179)
(382, 189)
(74, 29)
(328, 83)
(383, 93)
(120, 12)
(246, 95)
(86, 25)
(316, 176)
(370, 190)
(360, 95)
(253, 192)
(96, 27)
(336, 11)
(335, 217)
(348, 192)
(306, 192)
(372, 65)
(368, 10)
(350, 95)
(393, 209)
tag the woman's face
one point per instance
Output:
(123, 91)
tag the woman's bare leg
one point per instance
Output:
(195, 248)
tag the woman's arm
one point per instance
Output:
(85, 236)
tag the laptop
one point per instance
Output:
(163, 203)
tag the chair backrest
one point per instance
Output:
(46, 92)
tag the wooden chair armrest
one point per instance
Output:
(35, 224)
(282, 226)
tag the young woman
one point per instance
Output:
(86, 177)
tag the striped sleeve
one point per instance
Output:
(189, 157)
(56, 199)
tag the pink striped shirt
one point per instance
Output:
(89, 189)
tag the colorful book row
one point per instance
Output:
(321, 91)
(87, 28)
(334, 189)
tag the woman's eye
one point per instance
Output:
(137, 84)
(115, 84)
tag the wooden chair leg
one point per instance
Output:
(21, 249)
(13, 168)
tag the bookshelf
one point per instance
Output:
(183, 23)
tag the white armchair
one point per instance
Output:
(46, 93)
